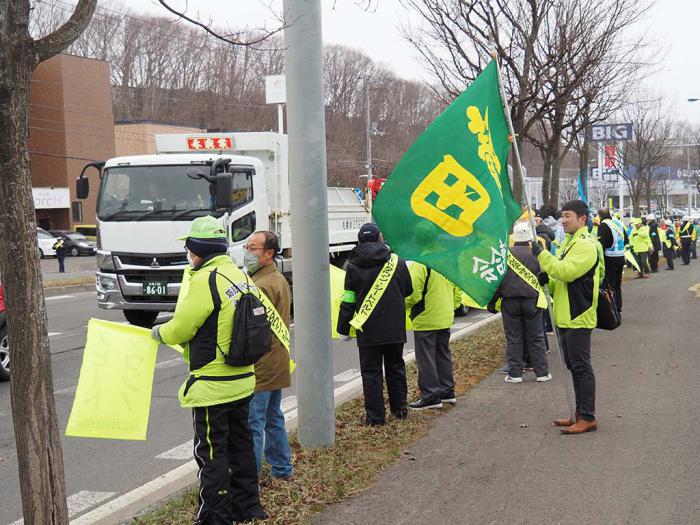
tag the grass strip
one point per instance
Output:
(326, 476)
(71, 281)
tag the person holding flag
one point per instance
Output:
(575, 276)
(217, 393)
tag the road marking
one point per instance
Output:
(69, 390)
(180, 452)
(54, 334)
(346, 376)
(54, 297)
(81, 501)
(185, 475)
(288, 403)
(170, 363)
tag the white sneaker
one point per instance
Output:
(542, 379)
(514, 379)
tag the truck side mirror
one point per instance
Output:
(82, 187)
(223, 191)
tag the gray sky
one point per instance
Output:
(672, 25)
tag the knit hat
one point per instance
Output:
(522, 232)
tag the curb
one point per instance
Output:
(129, 505)
(50, 291)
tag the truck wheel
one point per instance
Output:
(145, 318)
(4, 355)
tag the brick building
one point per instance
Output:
(70, 123)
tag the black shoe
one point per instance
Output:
(422, 404)
(503, 370)
(372, 423)
(400, 414)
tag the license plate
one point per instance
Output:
(155, 288)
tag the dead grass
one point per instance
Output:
(360, 454)
(71, 281)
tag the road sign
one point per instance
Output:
(275, 89)
(611, 132)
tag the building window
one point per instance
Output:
(76, 208)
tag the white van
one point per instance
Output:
(46, 242)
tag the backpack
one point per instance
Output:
(251, 337)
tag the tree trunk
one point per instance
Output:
(36, 428)
(554, 182)
(517, 176)
(546, 179)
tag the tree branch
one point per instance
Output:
(64, 36)
(223, 38)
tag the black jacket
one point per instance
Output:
(546, 233)
(654, 235)
(387, 322)
(512, 285)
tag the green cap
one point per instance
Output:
(206, 227)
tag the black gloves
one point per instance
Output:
(542, 278)
(491, 307)
(537, 248)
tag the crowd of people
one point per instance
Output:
(236, 406)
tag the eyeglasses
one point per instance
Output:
(252, 248)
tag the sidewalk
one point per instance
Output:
(495, 458)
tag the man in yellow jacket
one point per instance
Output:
(641, 245)
(575, 276)
(217, 392)
(431, 308)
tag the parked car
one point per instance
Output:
(4, 344)
(76, 243)
(46, 242)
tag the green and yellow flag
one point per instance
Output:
(448, 202)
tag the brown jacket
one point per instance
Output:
(272, 371)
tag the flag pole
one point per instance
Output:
(506, 109)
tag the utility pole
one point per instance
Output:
(368, 141)
(309, 208)
(687, 163)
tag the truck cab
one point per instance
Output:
(146, 202)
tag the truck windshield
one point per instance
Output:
(152, 193)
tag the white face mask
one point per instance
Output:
(190, 259)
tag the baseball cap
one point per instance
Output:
(522, 232)
(369, 232)
(206, 227)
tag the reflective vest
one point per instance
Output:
(618, 246)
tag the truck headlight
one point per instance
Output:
(104, 260)
(107, 282)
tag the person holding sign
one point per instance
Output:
(272, 372)
(218, 393)
(377, 283)
(522, 304)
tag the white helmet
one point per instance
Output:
(651, 217)
(685, 218)
(668, 222)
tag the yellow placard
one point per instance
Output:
(337, 289)
(113, 398)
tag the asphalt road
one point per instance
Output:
(495, 458)
(99, 470)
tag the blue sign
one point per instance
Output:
(611, 132)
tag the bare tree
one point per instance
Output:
(37, 434)
(646, 152)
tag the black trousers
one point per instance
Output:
(694, 250)
(522, 324)
(61, 263)
(371, 358)
(228, 474)
(576, 344)
(654, 261)
(642, 259)
(613, 274)
(434, 361)
(669, 255)
(685, 249)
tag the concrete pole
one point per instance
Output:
(280, 118)
(368, 142)
(687, 162)
(309, 209)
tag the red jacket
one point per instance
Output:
(2, 298)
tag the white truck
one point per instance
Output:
(146, 202)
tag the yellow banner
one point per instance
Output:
(526, 275)
(375, 293)
(113, 398)
(632, 260)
